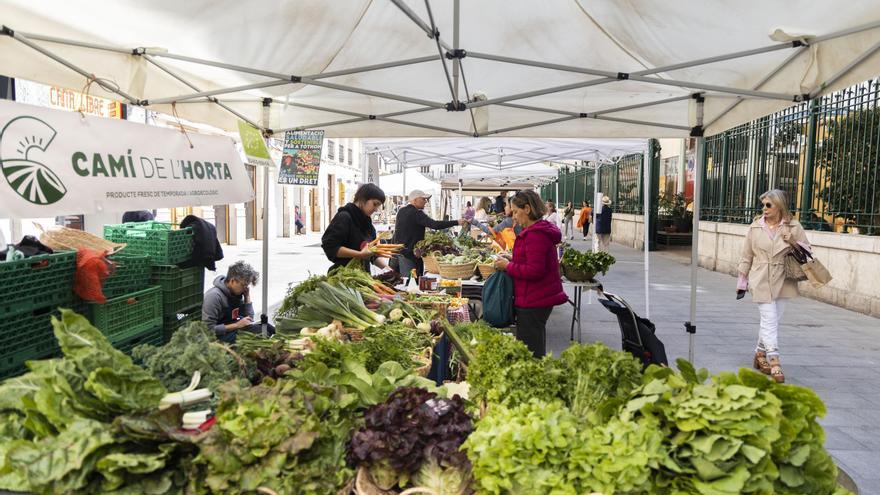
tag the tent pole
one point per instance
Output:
(194, 88)
(404, 174)
(596, 203)
(646, 188)
(691, 326)
(456, 61)
(221, 91)
(360, 117)
(264, 316)
(600, 112)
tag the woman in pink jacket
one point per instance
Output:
(537, 286)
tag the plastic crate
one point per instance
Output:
(152, 336)
(26, 337)
(164, 245)
(132, 273)
(182, 288)
(171, 323)
(37, 282)
(126, 316)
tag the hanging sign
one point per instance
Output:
(254, 145)
(56, 162)
(66, 99)
(301, 158)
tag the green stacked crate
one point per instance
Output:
(182, 288)
(170, 323)
(158, 240)
(131, 273)
(37, 282)
(128, 316)
(29, 336)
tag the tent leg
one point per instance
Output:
(596, 203)
(264, 316)
(646, 188)
(691, 326)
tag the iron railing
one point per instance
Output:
(621, 181)
(825, 153)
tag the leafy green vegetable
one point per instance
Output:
(587, 261)
(493, 355)
(393, 342)
(594, 374)
(87, 423)
(192, 348)
(290, 304)
(327, 303)
(435, 241)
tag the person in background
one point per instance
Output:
(584, 219)
(138, 216)
(551, 215)
(409, 228)
(483, 207)
(508, 222)
(761, 271)
(603, 224)
(568, 221)
(534, 268)
(227, 307)
(500, 204)
(351, 230)
(298, 221)
(468, 212)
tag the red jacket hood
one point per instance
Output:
(543, 227)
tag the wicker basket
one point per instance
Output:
(424, 358)
(452, 272)
(486, 270)
(576, 275)
(64, 239)
(431, 265)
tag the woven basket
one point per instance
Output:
(576, 275)
(463, 270)
(424, 357)
(486, 270)
(431, 265)
(64, 239)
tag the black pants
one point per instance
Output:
(531, 328)
(586, 229)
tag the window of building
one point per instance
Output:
(450, 168)
(331, 150)
(425, 169)
(341, 154)
(350, 156)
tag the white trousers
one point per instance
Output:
(768, 332)
(569, 228)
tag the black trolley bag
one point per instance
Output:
(637, 333)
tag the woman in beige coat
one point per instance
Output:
(762, 272)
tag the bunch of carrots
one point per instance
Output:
(384, 250)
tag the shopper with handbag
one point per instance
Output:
(762, 271)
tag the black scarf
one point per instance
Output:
(360, 219)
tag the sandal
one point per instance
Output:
(761, 363)
(776, 370)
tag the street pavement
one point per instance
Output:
(828, 349)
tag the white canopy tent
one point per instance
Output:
(398, 185)
(401, 68)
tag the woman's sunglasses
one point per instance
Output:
(768, 205)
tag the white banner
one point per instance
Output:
(57, 163)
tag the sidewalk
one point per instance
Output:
(828, 349)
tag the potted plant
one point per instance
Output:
(580, 266)
(682, 218)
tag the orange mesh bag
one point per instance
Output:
(509, 237)
(92, 268)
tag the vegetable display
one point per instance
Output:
(436, 241)
(587, 261)
(192, 348)
(87, 423)
(414, 437)
(327, 303)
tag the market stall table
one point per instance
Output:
(578, 298)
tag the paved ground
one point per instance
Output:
(831, 350)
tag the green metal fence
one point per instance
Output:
(825, 153)
(622, 182)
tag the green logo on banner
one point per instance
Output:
(20, 140)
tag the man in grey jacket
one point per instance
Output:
(227, 307)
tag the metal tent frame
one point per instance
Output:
(696, 92)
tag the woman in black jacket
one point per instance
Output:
(351, 229)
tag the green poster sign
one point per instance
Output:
(253, 144)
